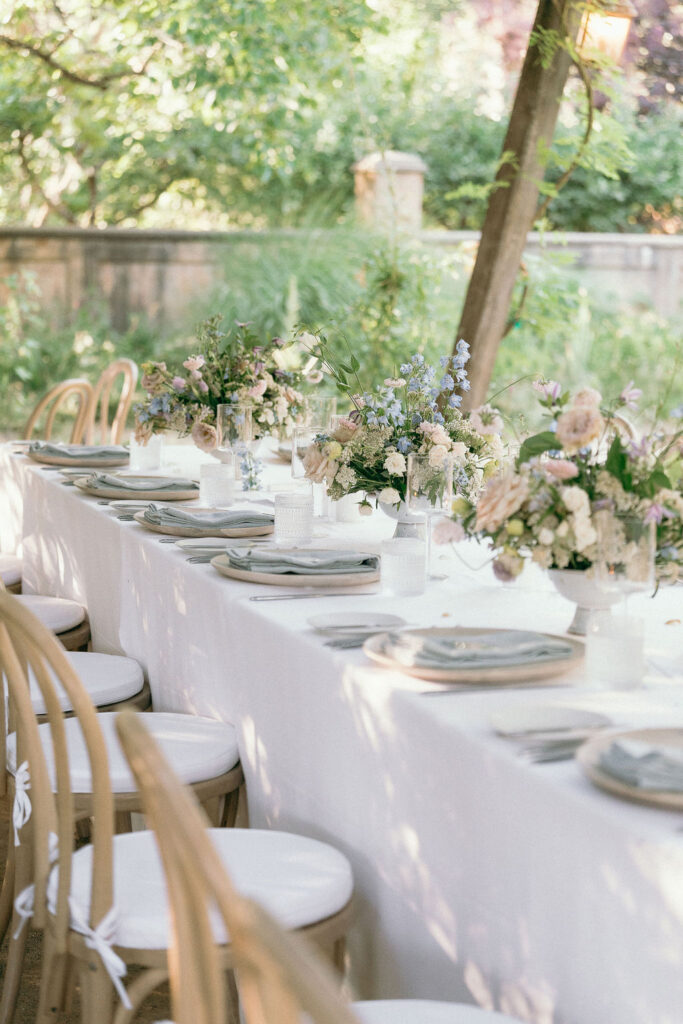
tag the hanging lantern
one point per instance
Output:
(605, 29)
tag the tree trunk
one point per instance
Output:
(510, 213)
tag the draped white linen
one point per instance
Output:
(480, 877)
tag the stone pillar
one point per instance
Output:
(389, 188)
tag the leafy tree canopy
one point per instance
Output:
(105, 105)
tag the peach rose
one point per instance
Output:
(344, 431)
(501, 498)
(204, 436)
(317, 465)
(578, 426)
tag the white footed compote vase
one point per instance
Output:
(408, 524)
(581, 587)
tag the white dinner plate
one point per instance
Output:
(545, 718)
(356, 623)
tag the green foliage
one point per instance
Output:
(34, 355)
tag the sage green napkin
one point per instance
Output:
(644, 765)
(476, 650)
(79, 451)
(213, 519)
(99, 481)
(301, 563)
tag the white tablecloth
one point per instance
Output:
(480, 877)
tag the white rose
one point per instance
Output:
(563, 529)
(546, 536)
(395, 464)
(575, 499)
(437, 455)
(459, 449)
(440, 436)
(268, 416)
(389, 496)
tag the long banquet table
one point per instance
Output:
(479, 876)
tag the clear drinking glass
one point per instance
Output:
(429, 492)
(624, 565)
(235, 432)
(302, 439)
(216, 484)
(319, 411)
(145, 456)
(294, 517)
(402, 566)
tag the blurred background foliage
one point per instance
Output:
(250, 113)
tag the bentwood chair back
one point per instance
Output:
(49, 828)
(98, 411)
(279, 974)
(76, 391)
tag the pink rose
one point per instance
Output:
(194, 363)
(257, 390)
(344, 430)
(561, 469)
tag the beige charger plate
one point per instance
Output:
(121, 492)
(500, 675)
(281, 579)
(84, 462)
(192, 531)
(588, 756)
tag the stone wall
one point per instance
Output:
(160, 273)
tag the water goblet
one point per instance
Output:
(623, 565)
(429, 492)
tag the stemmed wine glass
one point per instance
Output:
(235, 435)
(623, 565)
(429, 492)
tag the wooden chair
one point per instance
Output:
(105, 906)
(280, 975)
(101, 398)
(76, 388)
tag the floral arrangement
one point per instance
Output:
(544, 506)
(419, 412)
(232, 368)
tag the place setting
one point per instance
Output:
(479, 656)
(151, 488)
(78, 455)
(240, 521)
(298, 567)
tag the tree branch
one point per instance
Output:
(101, 83)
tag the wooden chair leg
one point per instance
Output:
(15, 950)
(13, 970)
(55, 982)
(7, 892)
(231, 802)
(97, 992)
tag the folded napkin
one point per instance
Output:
(79, 451)
(301, 563)
(213, 519)
(478, 650)
(644, 766)
(140, 483)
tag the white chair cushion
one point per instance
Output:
(10, 569)
(108, 678)
(198, 749)
(57, 613)
(424, 1011)
(299, 880)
